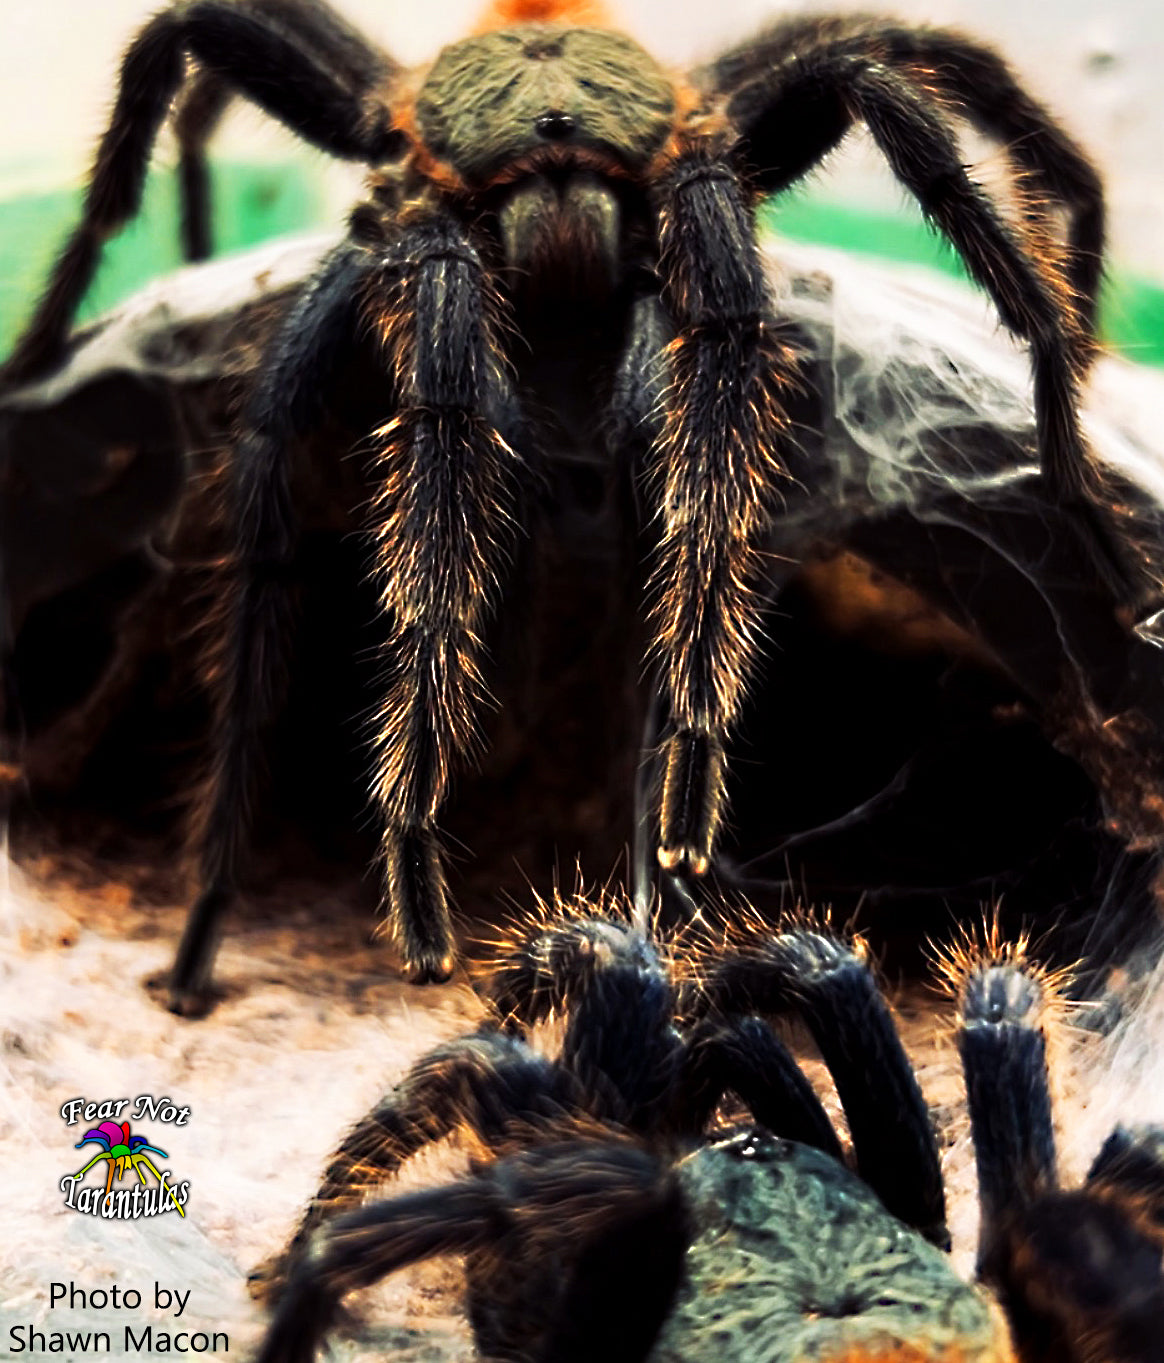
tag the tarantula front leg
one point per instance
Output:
(238, 42)
(717, 472)
(547, 1203)
(443, 514)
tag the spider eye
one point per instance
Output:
(554, 125)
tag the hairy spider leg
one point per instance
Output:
(607, 978)
(549, 1201)
(745, 1057)
(1004, 1058)
(11, 772)
(196, 118)
(284, 403)
(1130, 1167)
(240, 42)
(922, 151)
(718, 468)
(1078, 1276)
(443, 518)
(621, 1062)
(488, 1083)
(318, 29)
(826, 983)
(975, 84)
(441, 521)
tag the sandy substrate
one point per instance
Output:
(312, 1029)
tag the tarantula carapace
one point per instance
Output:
(601, 1218)
(556, 222)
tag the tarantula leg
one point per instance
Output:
(1004, 1058)
(717, 468)
(546, 969)
(283, 404)
(1130, 1169)
(923, 153)
(745, 1057)
(833, 990)
(238, 42)
(973, 82)
(324, 33)
(442, 517)
(981, 88)
(691, 805)
(624, 1282)
(11, 769)
(559, 1195)
(418, 901)
(195, 120)
(488, 1083)
(607, 976)
(1078, 1272)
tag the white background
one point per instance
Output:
(1100, 69)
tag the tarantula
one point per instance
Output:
(556, 222)
(600, 1220)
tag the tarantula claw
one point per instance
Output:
(692, 802)
(265, 1282)
(429, 968)
(189, 991)
(680, 859)
(189, 1003)
(418, 901)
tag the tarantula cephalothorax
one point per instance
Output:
(597, 1222)
(557, 223)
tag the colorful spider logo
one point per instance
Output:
(123, 1152)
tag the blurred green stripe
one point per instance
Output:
(254, 203)
(1131, 308)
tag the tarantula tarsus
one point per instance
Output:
(600, 1219)
(546, 188)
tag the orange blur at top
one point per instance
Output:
(505, 13)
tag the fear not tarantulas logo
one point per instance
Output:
(124, 1154)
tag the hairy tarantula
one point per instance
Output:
(600, 1220)
(555, 221)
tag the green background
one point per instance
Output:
(254, 203)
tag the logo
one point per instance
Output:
(124, 1154)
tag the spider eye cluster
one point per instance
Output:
(494, 102)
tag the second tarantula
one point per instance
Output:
(597, 1223)
(555, 222)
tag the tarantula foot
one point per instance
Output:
(189, 1003)
(692, 801)
(680, 859)
(188, 991)
(1130, 1166)
(266, 1281)
(418, 903)
(429, 966)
